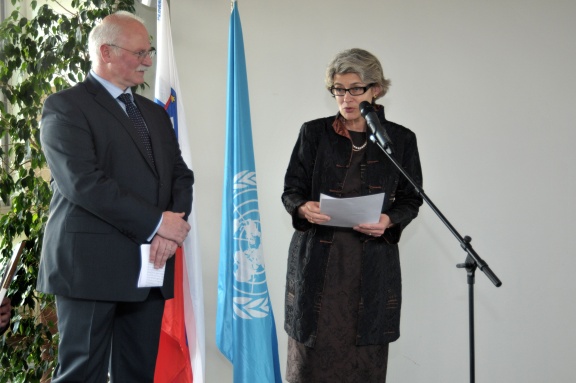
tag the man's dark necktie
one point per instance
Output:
(138, 122)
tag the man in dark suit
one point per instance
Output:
(118, 182)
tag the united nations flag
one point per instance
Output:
(245, 328)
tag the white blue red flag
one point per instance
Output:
(181, 355)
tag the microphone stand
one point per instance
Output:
(472, 261)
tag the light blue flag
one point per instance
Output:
(245, 328)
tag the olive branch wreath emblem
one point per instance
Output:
(251, 299)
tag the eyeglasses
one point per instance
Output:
(141, 55)
(354, 91)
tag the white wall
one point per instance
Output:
(489, 89)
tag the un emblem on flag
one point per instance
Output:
(250, 289)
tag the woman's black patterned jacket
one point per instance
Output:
(319, 164)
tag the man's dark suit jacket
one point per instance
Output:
(107, 195)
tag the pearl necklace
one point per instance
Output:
(358, 148)
(354, 147)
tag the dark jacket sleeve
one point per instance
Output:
(298, 178)
(407, 200)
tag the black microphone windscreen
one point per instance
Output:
(365, 108)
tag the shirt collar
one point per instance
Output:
(111, 88)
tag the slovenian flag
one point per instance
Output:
(181, 355)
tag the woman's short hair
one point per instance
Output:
(107, 32)
(361, 62)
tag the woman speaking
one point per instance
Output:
(343, 285)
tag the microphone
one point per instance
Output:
(378, 132)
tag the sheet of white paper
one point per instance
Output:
(349, 212)
(149, 276)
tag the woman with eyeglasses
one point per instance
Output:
(343, 284)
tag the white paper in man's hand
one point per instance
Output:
(149, 276)
(350, 212)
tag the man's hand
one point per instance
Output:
(173, 227)
(161, 250)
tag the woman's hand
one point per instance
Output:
(311, 212)
(375, 229)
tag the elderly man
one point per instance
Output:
(119, 182)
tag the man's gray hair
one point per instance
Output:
(107, 32)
